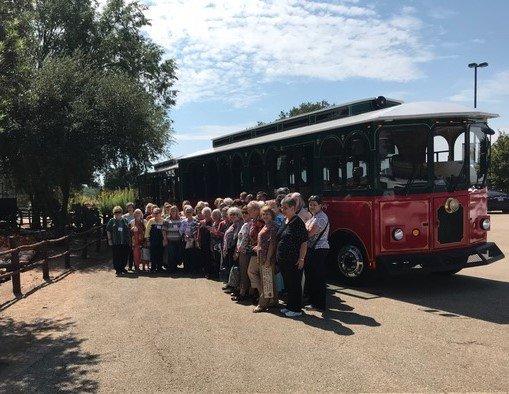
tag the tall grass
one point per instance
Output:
(105, 200)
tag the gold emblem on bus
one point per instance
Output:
(451, 205)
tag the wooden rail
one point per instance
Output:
(15, 267)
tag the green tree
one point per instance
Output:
(15, 59)
(98, 98)
(498, 176)
(304, 108)
(122, 176)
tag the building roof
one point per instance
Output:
(416, 110)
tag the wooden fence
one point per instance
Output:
(43, 256)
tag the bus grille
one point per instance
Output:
(450, 227)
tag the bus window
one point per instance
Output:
(449, 156)
(402, 158)
(291, 171)
(479, 145)
(330, 153)
(357, 155)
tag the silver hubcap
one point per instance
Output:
(350, 261)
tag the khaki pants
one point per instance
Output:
(255, 276)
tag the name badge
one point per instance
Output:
(158, 227)
(120, 229)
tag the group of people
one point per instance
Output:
(258, 247)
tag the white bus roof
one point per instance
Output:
(416, 110)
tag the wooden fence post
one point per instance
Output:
(84, 251)
(67, 260)
(16, 276)
(45, 263)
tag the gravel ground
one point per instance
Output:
(92, 331)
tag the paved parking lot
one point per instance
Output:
(92, 331)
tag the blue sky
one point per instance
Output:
(244, 61)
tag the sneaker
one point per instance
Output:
(225, 287)
(284, 311)
(258, 309)
(293, 314)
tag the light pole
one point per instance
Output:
(475, 66)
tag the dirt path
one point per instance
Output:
(95, 332)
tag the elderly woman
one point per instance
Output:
(266, 255)
(216, 240)
(228, 202)
(154, 235)
(117, 230)
(301, 207)
(242, 257)
(189, 230)
(166, 210)
(318, 248)
(198, 210)
(148, 210)
(137, 226)
(229, 243)
(204, 241)
(257, 224)
(290, 255)
(217, 202)
(173, 239)
(185, 203)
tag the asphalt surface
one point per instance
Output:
(92, 331)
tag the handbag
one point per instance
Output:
(234, 278)
(145, 254)
(267, 281)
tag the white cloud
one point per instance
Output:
(226, 50)
(491, 90)
(208, 132)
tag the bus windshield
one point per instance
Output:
(403, 159)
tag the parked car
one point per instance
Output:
(498, 201)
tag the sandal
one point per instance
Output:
(259, 309)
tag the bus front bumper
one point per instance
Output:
(444, 260)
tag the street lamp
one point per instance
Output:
(475, 66)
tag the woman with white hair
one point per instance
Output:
(189, 231)
(290, 254)
(300, 207)
(216, 240)
(173, 239)
(230, 242)
(204, 241)
(228, 201)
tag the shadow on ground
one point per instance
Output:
(449, 296)
(44, 356)
(338, 313)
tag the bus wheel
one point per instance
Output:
(351, 264)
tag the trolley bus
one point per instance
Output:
(404, 183)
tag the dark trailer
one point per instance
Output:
(160, 185)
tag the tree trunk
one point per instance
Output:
(63, 220)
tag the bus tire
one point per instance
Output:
(351, 264)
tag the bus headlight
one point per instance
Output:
(486, 224)
(397, 234)
(451, 205)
